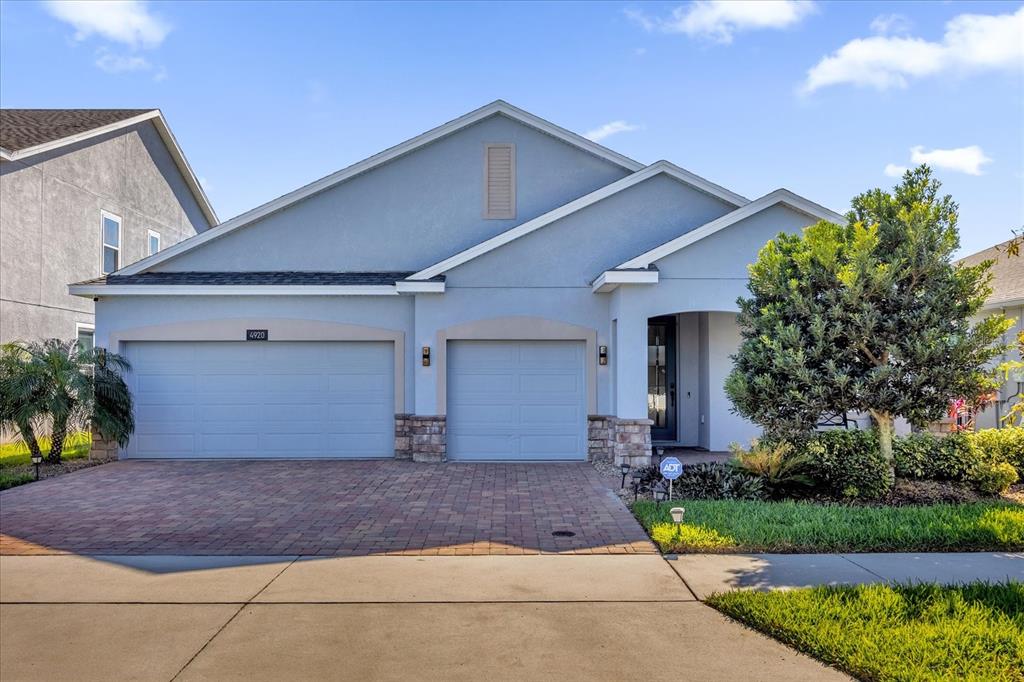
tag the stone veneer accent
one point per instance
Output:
(429, 437)
(102, 448)
(403, 436)
(613, 439)
(600, 438)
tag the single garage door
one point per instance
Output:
(262, 399)
(516, 400)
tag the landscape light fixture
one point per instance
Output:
(36, 461)
(677, 514)
(624, 468)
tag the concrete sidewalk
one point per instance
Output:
(709, 573)
(544, 617)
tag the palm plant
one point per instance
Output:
(778, 464)
(57, 383)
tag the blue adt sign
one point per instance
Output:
(671, 468)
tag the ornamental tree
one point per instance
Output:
(871, 316)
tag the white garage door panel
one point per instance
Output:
(516, 400)
(227, 399)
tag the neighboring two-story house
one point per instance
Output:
(84, 192)
(1008, 299)
(497, 288)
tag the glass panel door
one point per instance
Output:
(661, 377)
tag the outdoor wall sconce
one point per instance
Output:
(677, 514)
(426, 356)
(602, 355)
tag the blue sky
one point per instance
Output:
(820, 98)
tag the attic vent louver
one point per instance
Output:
(499, 181)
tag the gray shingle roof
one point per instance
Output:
(24, 128)
(1007, 273)
(282, 278)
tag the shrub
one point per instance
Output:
(936, 458)
(716, 481)
(1001, 445)
(782, 470)
(994, 478)
(848, 463)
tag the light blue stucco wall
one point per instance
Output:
(573, 251)
(412, 212)
(708, 275)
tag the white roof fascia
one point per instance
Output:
(90, 290)
(779, 196)
(611, 279)
(165, 134)
(407, 287)
(566, 209)
(496, 107)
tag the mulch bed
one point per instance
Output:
(51, 470)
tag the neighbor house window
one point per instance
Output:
(154, 242)
(499, 181)
(111, 226)
(86, 336)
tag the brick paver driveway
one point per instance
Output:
(319, 507)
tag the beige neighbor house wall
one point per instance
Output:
(50, 223)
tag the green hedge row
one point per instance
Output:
(848, 463)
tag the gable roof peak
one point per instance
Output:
(25, 133)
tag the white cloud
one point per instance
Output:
(116, 63)
(894, 171)
(123, 21)
(972, 42)
(609, 129)
(963, 159)
(888, 24)
(720, 20)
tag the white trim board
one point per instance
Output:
(658, 168)
(779, 196)
(91, 290)
(496, 107)
(165, 134)
(611, 279)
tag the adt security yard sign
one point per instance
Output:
(671, 469)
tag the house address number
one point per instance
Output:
(256, 335)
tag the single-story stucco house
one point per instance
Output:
(497, 288)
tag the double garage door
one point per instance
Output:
(507, 400)
(262, 399)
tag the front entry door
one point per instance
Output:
(661, 377)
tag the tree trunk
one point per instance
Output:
(28, 434)
(60, 432)
(886, 427)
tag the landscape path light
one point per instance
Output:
(624, 468)
(36, 461)
(677, 514)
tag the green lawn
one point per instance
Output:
(16, 454)
(731, 526)
(882, 632)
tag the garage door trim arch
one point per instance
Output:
(516, 328)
